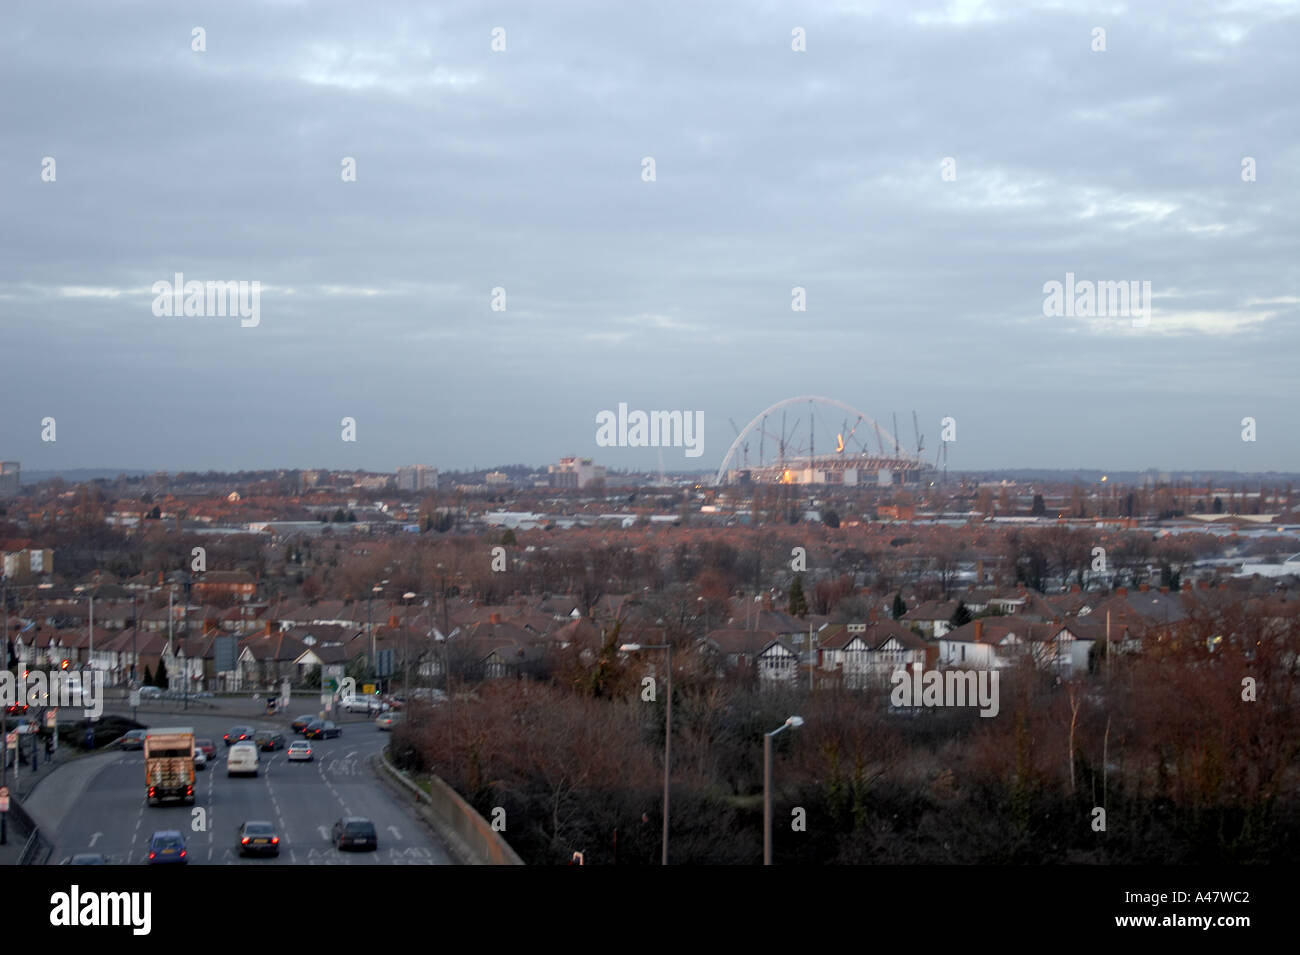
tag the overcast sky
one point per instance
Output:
(523, 169)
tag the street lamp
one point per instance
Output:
(668, 728)
(406, 636)
(370, 625)
(793, 722)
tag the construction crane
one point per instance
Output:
(896, 448)
(920, 438)
(744, 447)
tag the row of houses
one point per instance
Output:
(290, 641)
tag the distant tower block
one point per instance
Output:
(10, 472)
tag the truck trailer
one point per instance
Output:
(169, 765)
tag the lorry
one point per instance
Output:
(169, 765)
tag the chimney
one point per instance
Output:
(1075, 588)
(1203, 584)
(494, 618)
(210, 625)
(392, 623)
(979, 631)
(1143, 588)
(269, 625)
(767, 601)
(873, 615)
(1164, 590)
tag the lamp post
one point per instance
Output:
(4, 714)
(370, 623)
(668, 728)
(406, 637)
(793, 722)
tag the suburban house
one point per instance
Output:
(866, 654)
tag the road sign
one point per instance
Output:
(368, 688)
(11, 740)
(384, 663)
(51, 718)
(224, 650)
(4, 798)
(135, 698)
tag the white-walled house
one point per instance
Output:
(866, 654)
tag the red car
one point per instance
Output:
(206, 747)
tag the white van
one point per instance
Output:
(241, 758)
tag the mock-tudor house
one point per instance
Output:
(1068, 644)
(273, 655)
(777, 663)
(994, 643)
(867, 654)
(496, 646)
(763, 652)
(735, 649)
(509, 659)
(933, 617)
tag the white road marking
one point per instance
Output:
(396, 835)
(94, 839)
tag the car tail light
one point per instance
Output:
(275, 840)
(151, 854)
(189, 790)
(151, 791)
(244, 841)
(182, 853)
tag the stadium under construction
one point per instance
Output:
(789, 455)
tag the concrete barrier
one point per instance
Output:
(469, 836)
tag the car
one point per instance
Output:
(200, 759)
(268, 740)
(240, 759)
(362, 704)
(299, 750)
(151, 693)
(258, 837)
(322, 729)
(132, 739)
(302, 722)
(87, 858)
(206, 746)
(238, 734)
(387, 721)
(167, 846)
(354, 832)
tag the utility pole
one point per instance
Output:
(4, 716)
(91, 660)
